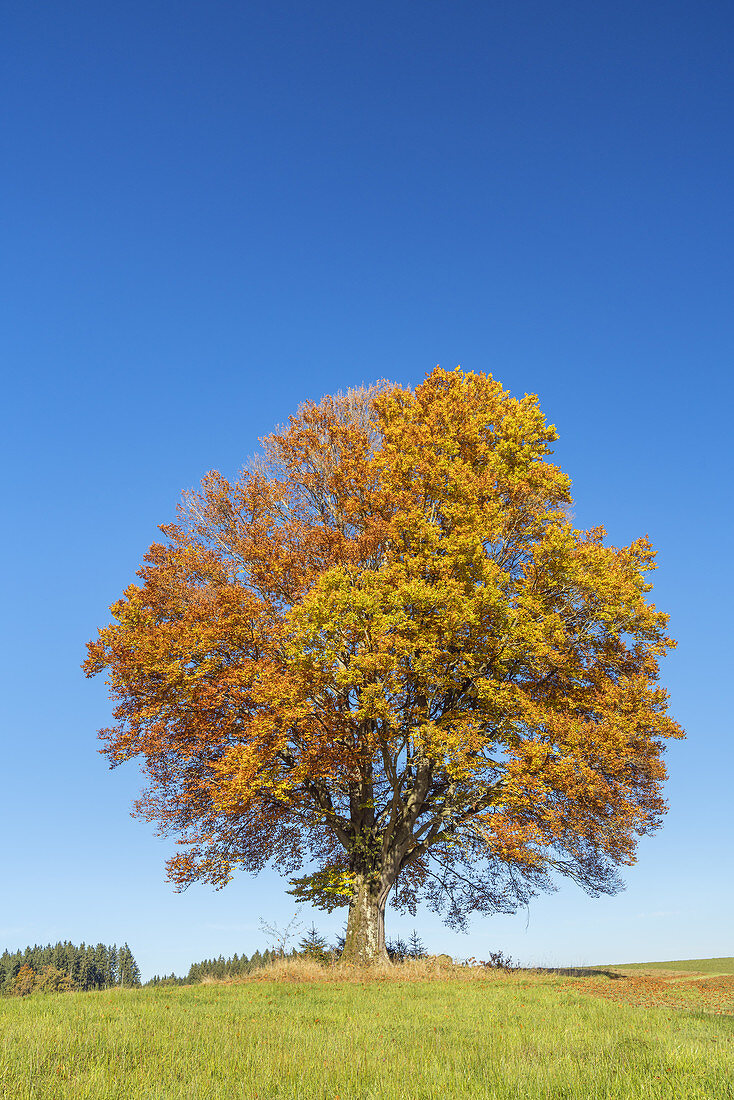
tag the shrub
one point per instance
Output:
(24, 982)
(49, 979)
(52, 980)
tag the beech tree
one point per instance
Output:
(385, 656)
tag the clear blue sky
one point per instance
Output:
(211, 211)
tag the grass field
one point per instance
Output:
(521, 1035)
(683, 966)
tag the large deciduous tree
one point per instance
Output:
(384, 655)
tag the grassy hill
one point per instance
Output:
(485, 1037)
(682, 966)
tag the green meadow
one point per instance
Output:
(520, 1035)
(683, 966)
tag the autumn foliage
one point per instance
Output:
(49, 979)
(384, 653)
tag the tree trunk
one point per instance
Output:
(365, 938)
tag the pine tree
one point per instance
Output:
(397, 949)
(85, 967)
(128, 972)
(314, 945)
(111, 969)
(100, 966)
(416, 950)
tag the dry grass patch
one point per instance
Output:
(431, 968)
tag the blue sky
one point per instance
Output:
(213, 211)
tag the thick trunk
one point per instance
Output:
(365, 938)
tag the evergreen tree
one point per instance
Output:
(100, 966)
(416, 950)
(86, 970)
(397, 950)
(111, 969)
(128, 972)
(340, 941)
(84, 967)
(314, 945)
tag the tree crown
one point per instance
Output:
(384, 648)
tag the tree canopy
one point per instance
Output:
(63, 966)
(384, 655)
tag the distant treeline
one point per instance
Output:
(313, 945)
(218, 968)
(64, 966)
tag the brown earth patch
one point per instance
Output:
(695, 994)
